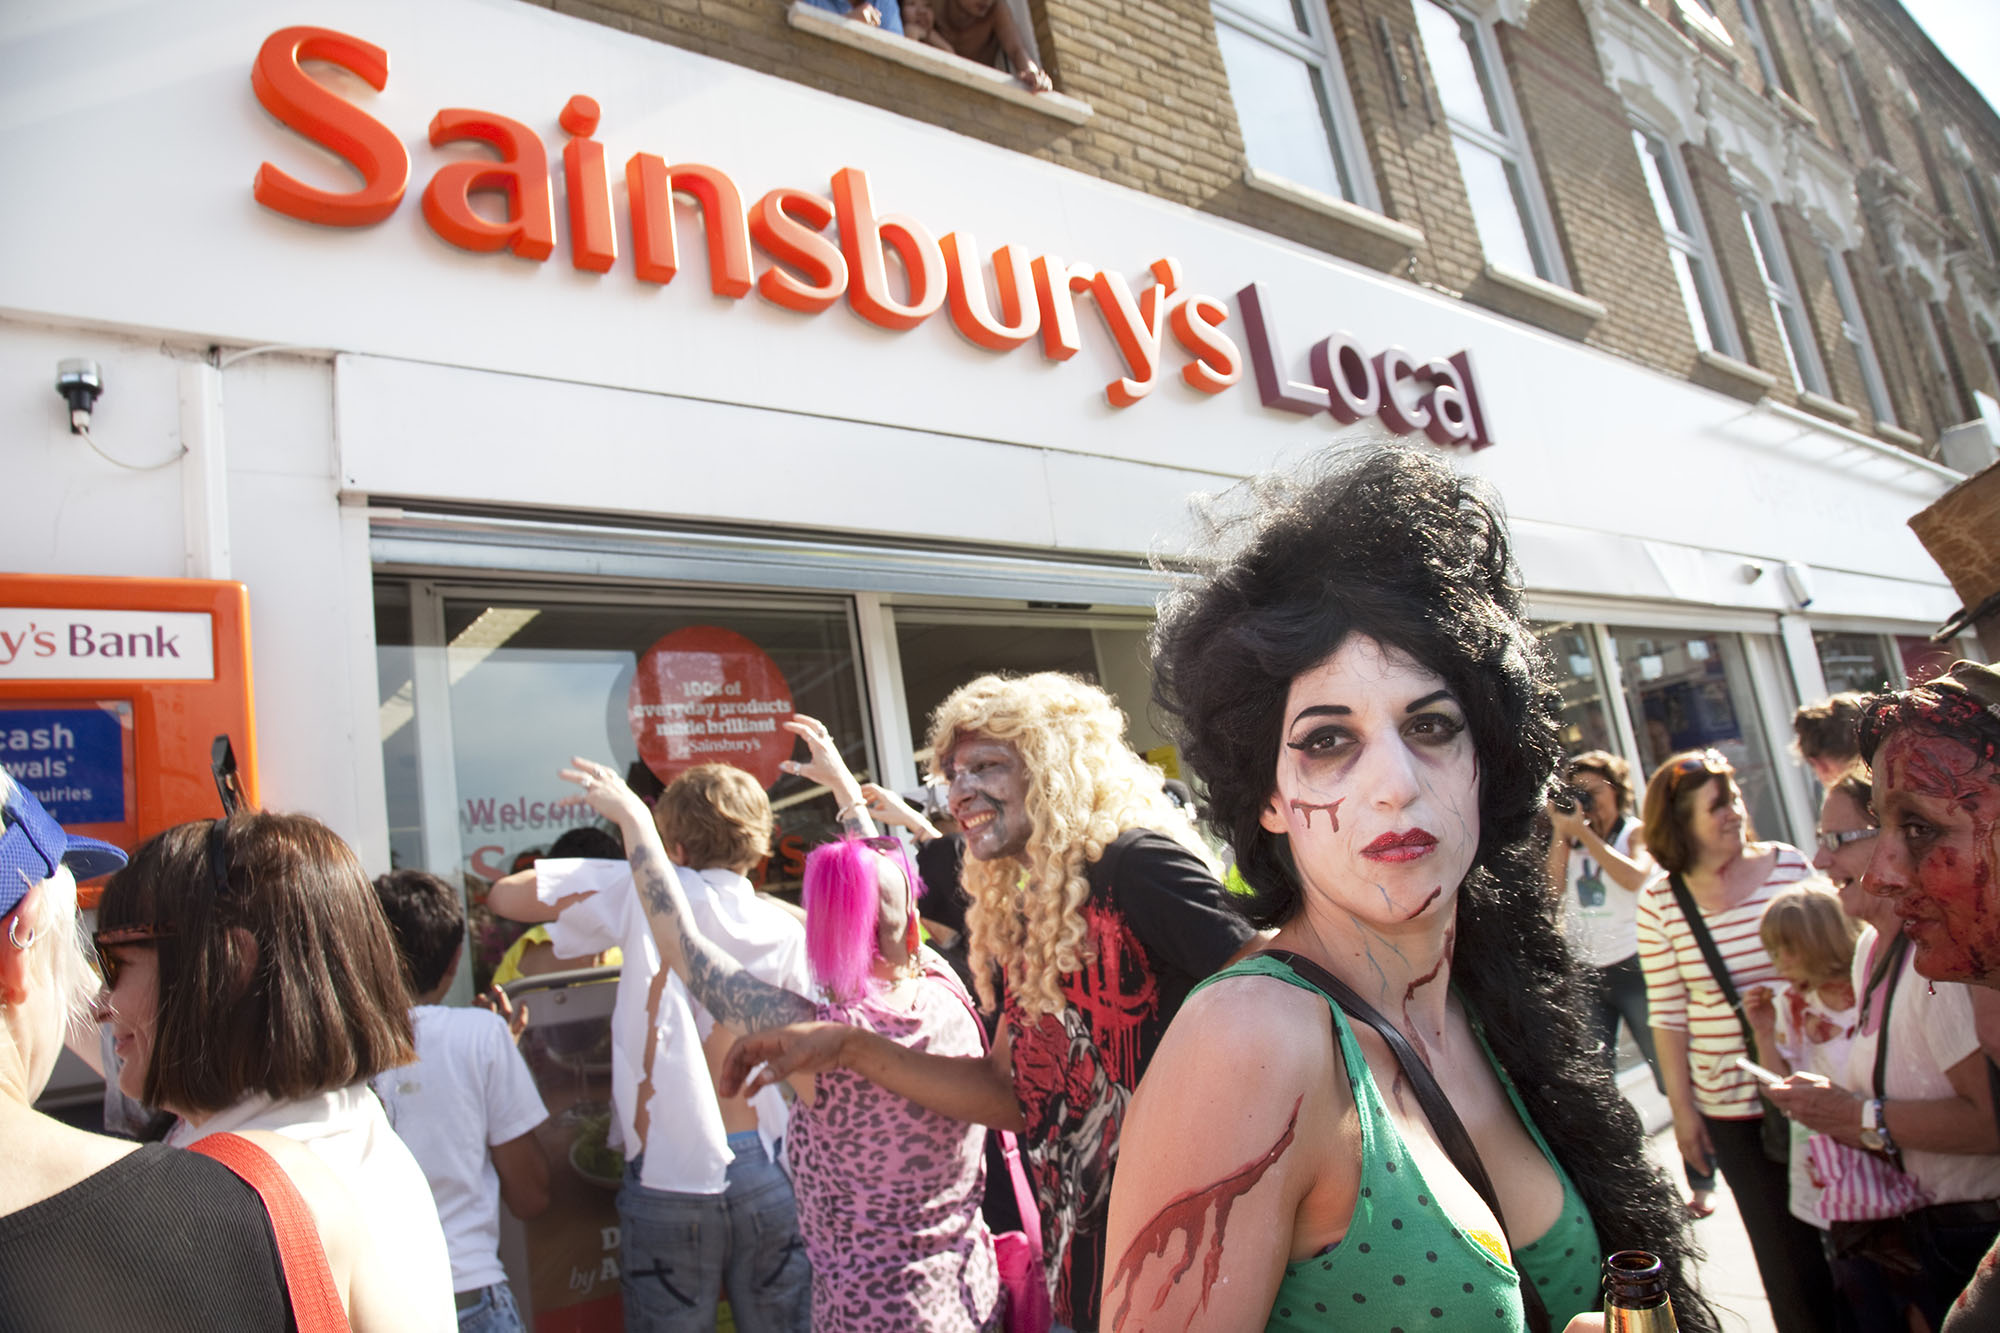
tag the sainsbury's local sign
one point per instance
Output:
(1032, 298)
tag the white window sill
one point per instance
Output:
(1822, 406)
(1331, 206)
(1791, 107)
(1897, 435)
(1742, 372)
(1548, 293)
(938, 64)
(1704, 28)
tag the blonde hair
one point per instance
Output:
(1805, 921)
(1085, 787)
(57, 933)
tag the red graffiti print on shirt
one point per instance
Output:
(1186, 1216)
(1114, 1011)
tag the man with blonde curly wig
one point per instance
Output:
(1097, 908)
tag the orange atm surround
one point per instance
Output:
(116, 664)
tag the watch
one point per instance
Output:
(1874, 1129)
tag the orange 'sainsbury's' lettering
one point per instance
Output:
(332, 122)
(863, 236)
(593, 241)
(787, 224)
(809, 269)
(1055, 286)
(1020, 316)
(1218, 362)
(1138, 329)
(521, 175)
(655, 250)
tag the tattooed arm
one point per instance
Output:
(1237, 1156)
(722, 984)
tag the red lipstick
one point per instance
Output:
(1400, 846)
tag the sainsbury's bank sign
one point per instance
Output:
(1031, 298)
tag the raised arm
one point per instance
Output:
(825, 766)
(722, 984)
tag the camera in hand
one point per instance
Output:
(1570, 799)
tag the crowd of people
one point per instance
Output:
(1370, 1083)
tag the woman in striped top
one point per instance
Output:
(1697, 829)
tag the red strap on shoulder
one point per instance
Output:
(308, 1280)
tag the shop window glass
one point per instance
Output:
(1854, 661)
(533, 682)
(1693, 691)
(1922, 659)
(939, 655)
(1586, 709)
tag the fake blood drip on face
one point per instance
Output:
(1187, 1216)
(1305, 811)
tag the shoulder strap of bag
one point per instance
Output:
(1010, 1150)
(308, 1281)
(1717, 969)
(1437, 1108)
(1887, 975)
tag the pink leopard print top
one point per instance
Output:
(889, 1192)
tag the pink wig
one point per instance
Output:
(843, 903)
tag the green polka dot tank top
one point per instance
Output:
(1405, 1264)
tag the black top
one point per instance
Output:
(162, 1240)
(1159, 922)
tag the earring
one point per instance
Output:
(14, 935)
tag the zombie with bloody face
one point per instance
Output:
(1935, 750)
(1094, 911)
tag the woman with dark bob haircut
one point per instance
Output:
(1350, 674)
(252, 984)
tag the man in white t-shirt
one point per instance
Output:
(467, 1108)
(705, 1204)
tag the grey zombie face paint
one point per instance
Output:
(989, 796)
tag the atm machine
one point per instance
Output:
(125, 706)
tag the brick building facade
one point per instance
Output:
(1838, 119)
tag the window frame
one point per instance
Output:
(1783, 293)
(1716, 313)
(1759, 42)
(1854, 329)
(1320, 53)
(1510, 145)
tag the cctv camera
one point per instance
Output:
(80, 382)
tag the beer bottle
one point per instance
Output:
(1635, 1294)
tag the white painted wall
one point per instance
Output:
(71, 512)
(161, 233)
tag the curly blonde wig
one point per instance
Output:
(1085, 787)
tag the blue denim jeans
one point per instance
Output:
(493, 1312)
(678, 1252)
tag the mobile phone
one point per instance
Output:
(228, 782)
(1757, 1071)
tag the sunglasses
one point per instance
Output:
(1833, 842)
(1708, 762)
(218, 872)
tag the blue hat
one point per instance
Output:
(32, 845)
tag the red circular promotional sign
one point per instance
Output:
(707, 695)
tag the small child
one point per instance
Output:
(467, 1108)
(1806, 1024)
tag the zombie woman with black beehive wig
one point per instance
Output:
(1348, 672)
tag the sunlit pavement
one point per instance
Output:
(1728, 1272)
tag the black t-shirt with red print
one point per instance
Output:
(1158, 924)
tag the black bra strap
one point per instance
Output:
(1450, 1130)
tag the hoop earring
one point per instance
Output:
(14, 935)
